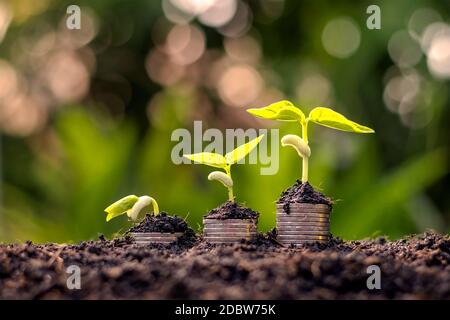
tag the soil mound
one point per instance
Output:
(232, 210)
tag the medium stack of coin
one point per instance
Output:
(228, 230)
(144, 238)
(304, 223)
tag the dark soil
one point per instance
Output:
(232, 210)
(161, 223)
(302, 193)
(412, 268)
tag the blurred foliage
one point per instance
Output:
(115, 138)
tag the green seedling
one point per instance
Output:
(133, 206)
(286, 111)
(224, 162)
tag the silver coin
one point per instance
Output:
(226, 238)
(229, 221)
(302, 228)
(323, 223)
(229, 226)
(307, 207)
(302, 237)
(229, 230)
(299, 243)
(299, 213)
(300, 221)
(302, 233)
(302, 214)
(155, 234)
(224, 233)
(154, 237)
(152, 242)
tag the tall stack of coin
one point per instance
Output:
(145, 238)
(228, 230)
(305, 222)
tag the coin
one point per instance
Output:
(306, 207)
(282, 237)
(299, 243)
(302, 228)
(154, 237)
(300, 220)
(231, 229)
(297, 213)
(303, 233)
(224, 232)
(324, 222)
(229, 221)
(225, 239)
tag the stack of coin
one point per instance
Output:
(304, 223)
(228, 230)
(144, 238)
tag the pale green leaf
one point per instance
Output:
(120, 206)
(210, 159)
(332, 119)
(281, 110)
(240, 152)
(298, 144)
(141, 206)
(221, 177)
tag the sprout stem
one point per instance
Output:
(230, 194)
(305, 130)
(230, 189)
(305, 159)
(305, 170)
(155, 206)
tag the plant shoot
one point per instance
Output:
(285, 111)
(224, 162)
(133, 206)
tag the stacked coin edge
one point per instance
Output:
(217, 231)
(144, 238)
(305, 223)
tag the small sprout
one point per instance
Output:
(286, 111)
(221, 177)
(224, 162)
(297, 143)
(133, 206)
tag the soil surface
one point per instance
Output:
(232, 210)
(302, 193)
(412, 268)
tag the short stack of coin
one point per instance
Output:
(144, 238)
(228, 230)
(304, 223)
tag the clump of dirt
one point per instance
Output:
(232, 210)
(167, 224)
(302, 193)
(161, 223)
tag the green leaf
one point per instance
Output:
(120, 206)
(297, 143)
(282, 110)
(332, 119)
(240, 152)
(210, 159)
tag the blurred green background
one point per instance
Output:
(86, 115)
